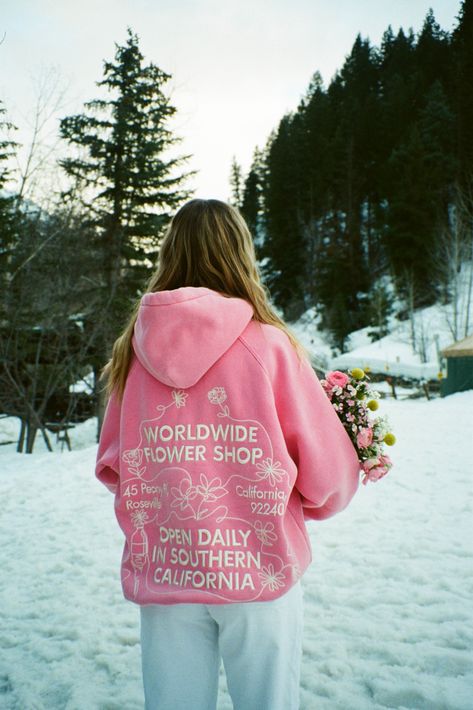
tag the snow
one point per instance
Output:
(86, 384)
(388, 614)
(394, 353)
(389, 356)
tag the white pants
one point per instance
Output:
(260, 644)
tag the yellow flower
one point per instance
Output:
(357, 373)
(373, 405)
(389, 439)
(440, 375)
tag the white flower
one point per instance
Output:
(179, 397)
(210, 490)
(381, 427)
(271, 470)
(217, 395)
(265, 533)
(270, 578)
(133, 457)
(183, 495)
(139, 518)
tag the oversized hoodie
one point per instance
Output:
(224, 444)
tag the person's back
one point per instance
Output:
(218, 442)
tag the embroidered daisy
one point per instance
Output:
(270, 578)
(271, 470)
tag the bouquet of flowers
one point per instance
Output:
(348, 393)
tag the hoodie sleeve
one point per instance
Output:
(107, 462)
(327, 461)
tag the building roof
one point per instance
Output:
(462, 348)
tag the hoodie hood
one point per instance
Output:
(180, 333)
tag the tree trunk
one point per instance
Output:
(46, 438)
(100, 398)
(21, 437)
(31, 430)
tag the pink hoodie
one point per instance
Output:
(223, 445)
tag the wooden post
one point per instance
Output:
(393, 386)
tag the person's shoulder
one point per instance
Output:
(265, 335)
(269, 344)
(274, 334)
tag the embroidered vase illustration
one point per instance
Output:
(138, 545)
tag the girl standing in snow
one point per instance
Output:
(218, 443)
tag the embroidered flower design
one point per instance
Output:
(270, 578)
(179, 398)
(183, 495)
(210, 490)
(265, 532)
(271, 470)
(217, 395)
(139, 518)
(133, 457)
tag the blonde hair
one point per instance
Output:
(207, 243)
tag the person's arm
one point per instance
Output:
(107, 462)
(327, 461)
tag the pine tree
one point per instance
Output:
(349, 188)
(251, 206)
(462, 95)
(8, 217)
(358, 180)
(422, 170)
(125, 182)
(236, 183)
(432, 54)
(283, 247)
(398, 95)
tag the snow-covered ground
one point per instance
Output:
(388, 596)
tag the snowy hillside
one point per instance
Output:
(388, 615)
(394, 354)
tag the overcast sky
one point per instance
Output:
(237, 65)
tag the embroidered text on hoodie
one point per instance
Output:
(224, 444)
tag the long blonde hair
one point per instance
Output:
(207, 243)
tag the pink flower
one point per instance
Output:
(369, 464)
(327, 388)
(376, 473)
(335, 378)
(384, 460)
(375, 468)
(364, 438)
